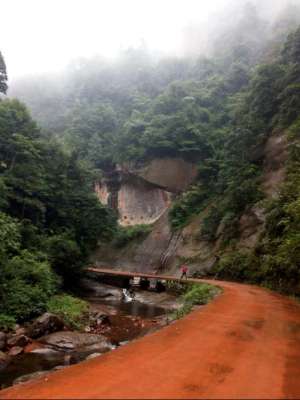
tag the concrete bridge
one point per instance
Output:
(123, 278)
(113, 272)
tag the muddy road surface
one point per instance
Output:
(245, 344)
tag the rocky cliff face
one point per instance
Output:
(146, 198)
(142, 195)
(173, 174)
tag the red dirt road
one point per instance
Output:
(245, 344)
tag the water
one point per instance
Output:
(134, 308)
(123, 329)
(137, 309)
(28, 363)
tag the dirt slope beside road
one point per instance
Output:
(245, 344)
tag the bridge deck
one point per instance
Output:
(113, 272)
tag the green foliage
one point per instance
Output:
(50, 190)
(200, 294)
(10, 236)
(50, 219)
(177, 287)
(26, 283)
(275, 261)
(73, 311)
(65, 255)
(182, 311)
(280, 250)
(210, 224)
(3, 75)
(92, 132)
(195, 294)
(125, 235)
(7, 322)
(189, 203)
(291, 51)
(238, 266)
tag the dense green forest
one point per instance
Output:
(50, 219)
(217, 110)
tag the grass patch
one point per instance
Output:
(127, 234)
(7, 322)
(195, 294)
(176, 287)
(73, 311)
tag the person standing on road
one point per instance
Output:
(184, 270)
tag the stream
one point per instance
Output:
(128, 320)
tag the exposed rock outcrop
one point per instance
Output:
(45, 324)
(2, 340)
(3, 358)
(28, 377)
(141, 203)
(276, 153)
(142, 195)
(172, 174)
(164, 250)
(75, 340)
(14, 351)
(18, 340)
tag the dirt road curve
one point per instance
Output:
(245, 344)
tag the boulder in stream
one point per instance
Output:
(18, 340)
(28, 377)
(93, 355)
(16, 350)
(45, 350)
(44, 325)
(99, 318)
(3, 358)
(2, 340)
(75, 340)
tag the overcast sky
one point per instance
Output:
(44, 35)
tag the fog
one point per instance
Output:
(40, 36)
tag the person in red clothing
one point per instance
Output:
(184, 270)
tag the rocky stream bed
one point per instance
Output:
(47, 345)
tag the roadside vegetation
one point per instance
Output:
(50, 219)
(192, 294)
(126, 234)
(274, 262)
(73, 312)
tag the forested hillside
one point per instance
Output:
(50, 218)
(217, 110)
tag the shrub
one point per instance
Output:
(200, 294)
(177, 287)
(26, 283)
(238, 266)
(181, 312)
(10, 237)
(210, 224)
(73, 311)
(7, 322)
(191, 202)
(125, 235)
(195, 294)
(65, 255)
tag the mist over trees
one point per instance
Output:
(3, 75)
(230, 42)
(50, 219)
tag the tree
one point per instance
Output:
(3, 75)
